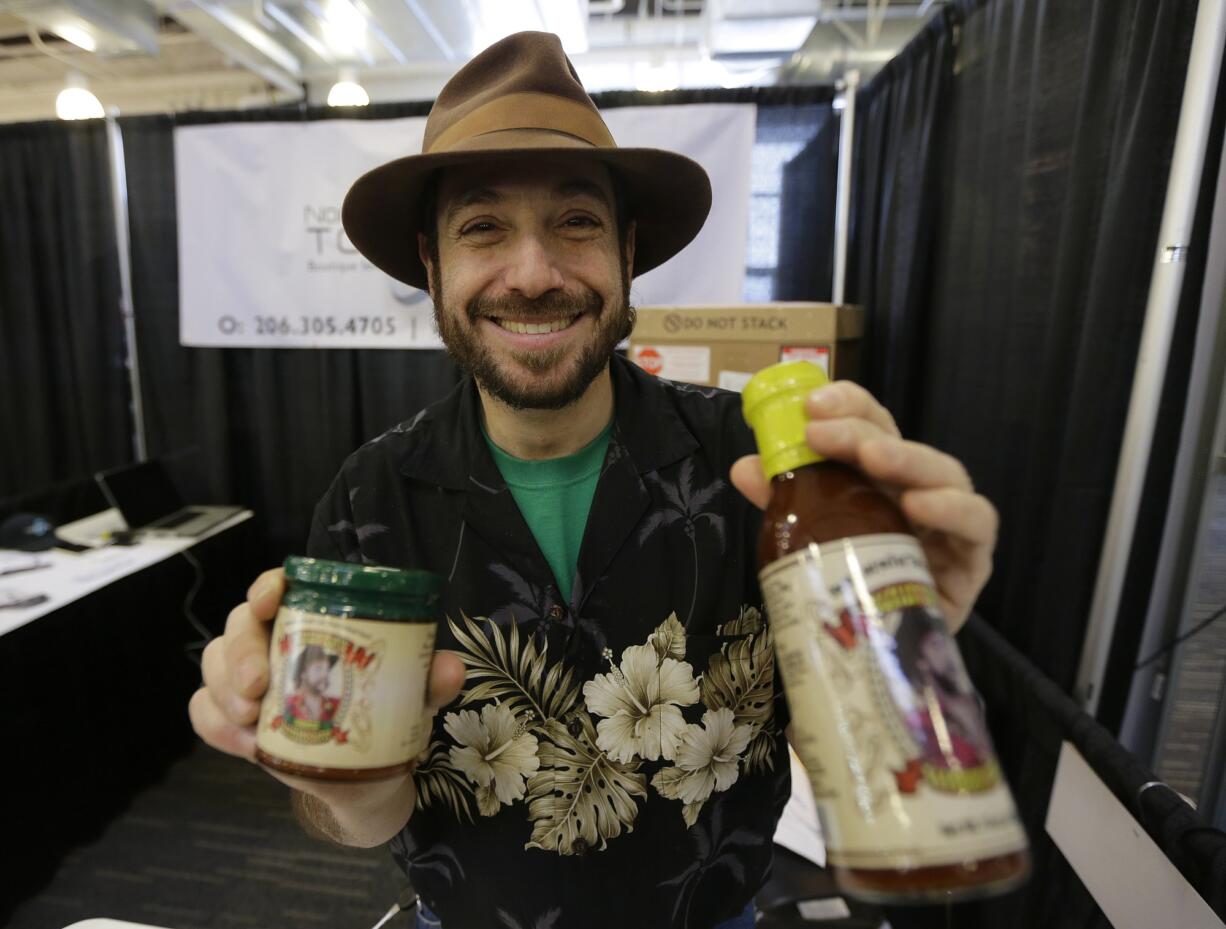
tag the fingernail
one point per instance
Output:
(824, 399)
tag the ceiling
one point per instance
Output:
(173, 55)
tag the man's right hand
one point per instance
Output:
(224, 713)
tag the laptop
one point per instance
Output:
(150, 504)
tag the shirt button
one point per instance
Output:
(556, 612)
(575, 728)
(579, 847)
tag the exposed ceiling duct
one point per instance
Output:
(835, 47)
(159, 55)
(105, 27)
(242, 39)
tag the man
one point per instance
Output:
(308, 704)
(616, 757)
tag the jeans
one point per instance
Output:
(427, 920)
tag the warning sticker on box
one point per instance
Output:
(691, 363)
(818, 354)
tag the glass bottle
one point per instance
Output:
(883, 716)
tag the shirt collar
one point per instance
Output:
(449, 451)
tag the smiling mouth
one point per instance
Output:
(541, 328)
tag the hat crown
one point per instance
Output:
(477, 99)
(521, 98)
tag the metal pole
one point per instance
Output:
(119, 208)
(842, 199)
(1183, 186)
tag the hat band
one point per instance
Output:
(528, 111)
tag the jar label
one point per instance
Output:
(884, 716)
(346, 693)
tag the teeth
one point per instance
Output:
(556, 325)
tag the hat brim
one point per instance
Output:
(669, 197)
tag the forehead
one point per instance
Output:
(551, 178)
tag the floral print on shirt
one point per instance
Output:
(579, 755)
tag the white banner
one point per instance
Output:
(263, 261)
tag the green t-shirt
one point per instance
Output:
(554, 495)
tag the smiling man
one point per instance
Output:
(609, 745)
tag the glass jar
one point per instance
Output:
(349, 666)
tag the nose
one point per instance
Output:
(531, 268)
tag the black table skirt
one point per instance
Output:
(95, 703)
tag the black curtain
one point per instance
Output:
(1054, 135)
(63, 383)
(806, 217)
(1054, 138)
(1062, 122)
(269, 428)
(897, 160)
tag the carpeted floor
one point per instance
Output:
(216, 845)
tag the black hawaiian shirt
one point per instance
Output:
(615, 760)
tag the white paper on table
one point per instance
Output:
(799, 830)
(92, 531)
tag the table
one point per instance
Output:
(64, 577)
(95, 683)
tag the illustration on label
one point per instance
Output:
(884, 716)
(316, 694)
(323, 682)
(921, 691)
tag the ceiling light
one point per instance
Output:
(656, 78)
(76, 102)
(347, 91)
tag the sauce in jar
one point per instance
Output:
(350, 660)
(884, 718)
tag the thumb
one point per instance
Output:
(747, 477)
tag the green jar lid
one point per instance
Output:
(367, 579)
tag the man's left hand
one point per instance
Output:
(956, 526)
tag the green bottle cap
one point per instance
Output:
(774, 405)
(369, 579)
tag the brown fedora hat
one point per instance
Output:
(522, 98)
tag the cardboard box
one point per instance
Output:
(723, 346)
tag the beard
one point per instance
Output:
(613, 321)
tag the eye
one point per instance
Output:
(478, 227)
(581, 221)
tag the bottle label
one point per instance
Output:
(884, 716)
(346, 693)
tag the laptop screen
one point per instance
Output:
(143, 492)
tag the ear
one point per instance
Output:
(628, 251)
(423, 255)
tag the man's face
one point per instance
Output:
(530, 281)
(315, 676)
(935, 657)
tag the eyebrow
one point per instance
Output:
(576, 187)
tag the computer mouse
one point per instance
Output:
(27, 532)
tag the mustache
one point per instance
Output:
(551, 304)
